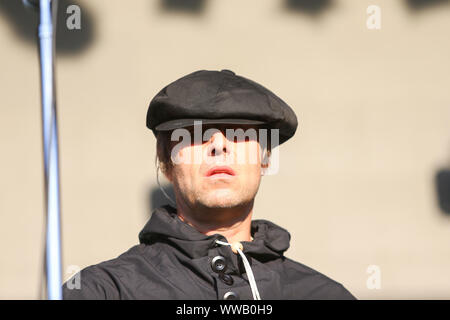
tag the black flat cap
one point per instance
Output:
(219, 97)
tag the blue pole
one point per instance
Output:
(50, 137)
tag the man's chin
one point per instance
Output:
(221, 204)
(222, 200)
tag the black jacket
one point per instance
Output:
(175, 261)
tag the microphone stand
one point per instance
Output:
(50, 145)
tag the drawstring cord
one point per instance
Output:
(237, 247)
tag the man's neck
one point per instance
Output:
(232, 223)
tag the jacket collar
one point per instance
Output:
(269, 240)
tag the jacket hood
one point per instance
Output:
(269, 240)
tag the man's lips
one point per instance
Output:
(220, 170)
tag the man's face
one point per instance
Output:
(217, 172)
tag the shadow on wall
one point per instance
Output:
(311, 7)
(443, 190)
(158, 199)
(24, 21)
(423, 4)
(190, 6)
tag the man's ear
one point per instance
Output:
(167, 171)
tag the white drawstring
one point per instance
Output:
(248, 269)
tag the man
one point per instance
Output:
(208, 247)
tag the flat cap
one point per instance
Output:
(219, 97)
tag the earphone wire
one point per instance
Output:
(160, 187)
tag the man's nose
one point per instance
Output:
(218, 144)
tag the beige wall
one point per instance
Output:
(355, 186)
